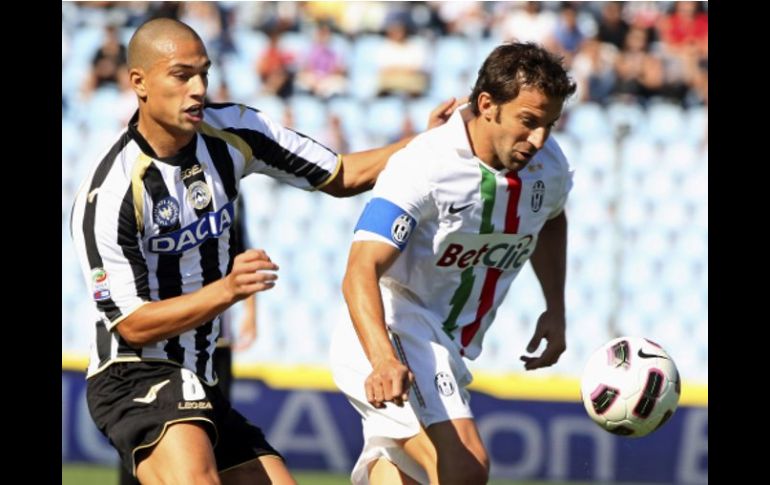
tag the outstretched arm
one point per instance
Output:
(359, 170)
(390, 378)
(159, 320)
(550, 264)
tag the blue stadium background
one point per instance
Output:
(636, 136)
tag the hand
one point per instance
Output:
(388, 381)
(443, 111)
(551, 327)
(250, 274)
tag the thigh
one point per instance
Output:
(183, 454)
(383, 471)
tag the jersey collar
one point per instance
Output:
(456, 134)
(185, 154)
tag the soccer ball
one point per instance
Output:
(630, 386)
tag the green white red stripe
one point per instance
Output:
(488, 196)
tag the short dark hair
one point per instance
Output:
(514, 65)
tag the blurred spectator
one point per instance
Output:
(593, 69)
(567, 36)
(463, 18)
(530, 23)
(208, 20)
(686, 26)
(684, 33)
(326, 12)
(108, 64)
(612, 28)
(323, 70)
(402, 61)
(275, 67)
(639, 74)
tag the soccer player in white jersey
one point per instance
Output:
(453, 218)
(152, 225)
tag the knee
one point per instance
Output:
(464, 470)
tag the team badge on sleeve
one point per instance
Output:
(445, 384)
(100, 284)
(386, 219)
(166, 212)
(401, 228)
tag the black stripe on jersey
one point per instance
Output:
(128, 240)
(209, 259)
(273, 154)
(168, 274)
(103, 342)
(222, 105)
(223, 162)
(107, 306)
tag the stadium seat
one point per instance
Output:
(272, 106)
(587, 121)
(419, 110)
(241, 77)
(697, 124)
(453, 68)
(363, 70)
(665, 122)
(385, 118)
(309, 114)
(569, 146)
(628, 118)
(249, 44)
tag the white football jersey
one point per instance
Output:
(465, 230)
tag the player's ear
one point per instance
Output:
(486, 106)
(137, 78)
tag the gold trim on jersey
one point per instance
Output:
(137, 188)
(231, 139)
(111, 325)
(333, 175)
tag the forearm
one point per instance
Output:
(550, 262)
(362, 294)
(160, 320)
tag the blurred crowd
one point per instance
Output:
(635, 51)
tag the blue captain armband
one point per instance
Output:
(386, 219)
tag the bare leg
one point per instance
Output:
(183, 455)
(268, 469)
(384, 472)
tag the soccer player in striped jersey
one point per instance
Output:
(453, 218)
(153, 228)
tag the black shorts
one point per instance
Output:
(133, 402)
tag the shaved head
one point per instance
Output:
(156, 38)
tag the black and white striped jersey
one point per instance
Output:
(148, 228)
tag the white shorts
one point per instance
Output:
(438, 394)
